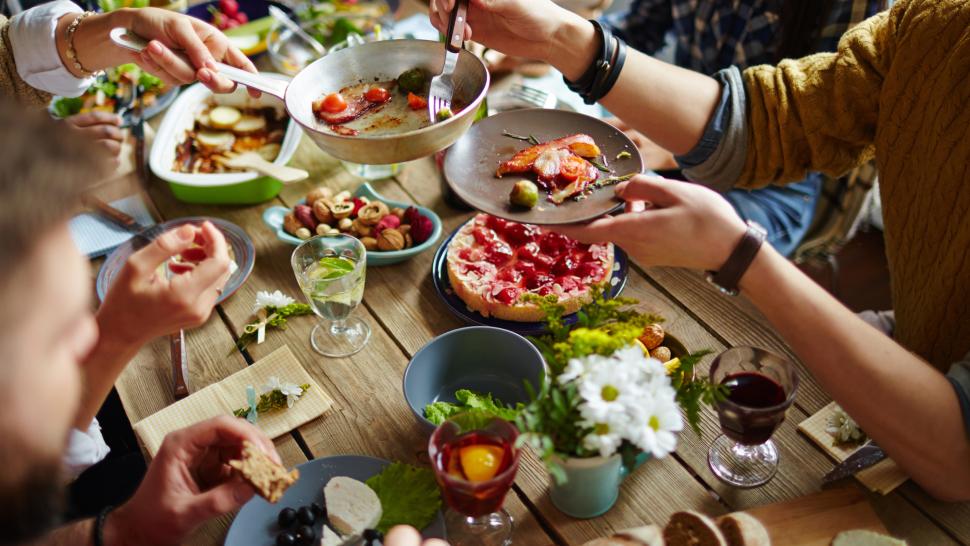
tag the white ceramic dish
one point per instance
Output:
(217, 188)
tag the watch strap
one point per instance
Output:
(728, 277)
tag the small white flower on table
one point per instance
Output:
(275, 299)
(291, 390)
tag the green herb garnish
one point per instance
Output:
(67, 107)
(470, 401)
(409, 495)
(599, 165)
(530, 139)
(276, 318)
(268, 401)
(624, 155)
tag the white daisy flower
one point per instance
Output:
(602, 440)
(290, 390)
(659, 424)
(271, 299)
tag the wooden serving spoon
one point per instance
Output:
(252, 161)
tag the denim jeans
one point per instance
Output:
(786, 212)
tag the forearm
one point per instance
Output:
(78, 533)
(668, 104)
(116, 531)
(902, 402)
(94, 48)
(102, 367)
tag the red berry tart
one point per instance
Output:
(492, 262)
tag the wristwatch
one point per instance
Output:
(727, 278)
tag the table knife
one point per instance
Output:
(860, 459)
(180, 364)
(117, 217)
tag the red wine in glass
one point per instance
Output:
(751, 390)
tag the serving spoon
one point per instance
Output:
(252, 161)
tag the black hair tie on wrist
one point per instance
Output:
(97, 531)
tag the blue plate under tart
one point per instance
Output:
(439, 275)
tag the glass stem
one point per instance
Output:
(338, 327)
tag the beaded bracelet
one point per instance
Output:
(71, 52)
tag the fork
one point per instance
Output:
(442, 86)
(532, 96)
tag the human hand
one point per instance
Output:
(188, 482)
(653, 156)
(143, 304)
(102, 128)
(667, 222)
(404, 535)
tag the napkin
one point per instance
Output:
(226, 396)
(882, 477)
(96, 236)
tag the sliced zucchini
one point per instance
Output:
(224, 117)
(215, 140)
(249, 124)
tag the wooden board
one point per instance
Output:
(816, 519)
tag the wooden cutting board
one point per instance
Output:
(816, 519)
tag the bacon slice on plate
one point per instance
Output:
(357, 105)
(579, 144)
(585, 173)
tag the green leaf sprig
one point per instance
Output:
(269, 401)
(276, 318)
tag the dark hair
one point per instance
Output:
(45, 168)
(801, 23)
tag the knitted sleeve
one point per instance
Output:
(818, 113)
(11, 85)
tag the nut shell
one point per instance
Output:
(345, 224)
(652, 336)
(342, 196)
(399, 212)
(317, 194)
(390, 239)
(661, 353)
(321, 210)
(342, 210)
(361, 228)
(373, 212)
(291, 224)
(369, 243)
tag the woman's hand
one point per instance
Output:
(188, 483)
(100, 127)
(668, 223)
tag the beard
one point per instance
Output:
(33, 504)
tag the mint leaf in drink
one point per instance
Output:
(333, 267)
(409, 496)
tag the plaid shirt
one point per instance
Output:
(714, 34)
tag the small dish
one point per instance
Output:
(237, 188)
(439, 276)
(250, 37)
(483, 359)
(243, 252)
(273, 217)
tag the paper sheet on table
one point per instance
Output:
(96, 236)
(224, 397)
(882, 477)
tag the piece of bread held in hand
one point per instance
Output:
(268, 478)
(693, 529)
(352, 506)
(740, 529)
(649, 535)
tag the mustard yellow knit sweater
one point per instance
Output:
(898, 89)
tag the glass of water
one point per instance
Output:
(330, 270)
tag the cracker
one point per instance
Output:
(268, 477)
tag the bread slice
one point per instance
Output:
(692, 529)
(351, 505)
(741, 529)
(329, 538)
(649, 535)
(862, 537)
(268, 477)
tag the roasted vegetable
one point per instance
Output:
(413, 80)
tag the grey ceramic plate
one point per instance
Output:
(471, 163)
(255, 525)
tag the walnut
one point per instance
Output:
(369, 243)
(342, 196)
(321, 210)
(372, 212)
(408, 241)
(661, 353)
(405, 229)
(291, 224)
(652, 336)
(390, 239)
(317, 194)
(345, 224)
(342, 210)
(361, 229)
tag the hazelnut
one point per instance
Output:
(342, 196)
(303, 233)
(291, 224)
(323, 229)
(342, 210)
(408, 241)
(390, 239)
(345, 224)
(399, 212)
(317, 194)
(360, 228)
(369, 243)
(661, 353)
(652, 336)
(321, 210)
(373, 212)
(405, 229)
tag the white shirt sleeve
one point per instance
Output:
(32, 35)
(84, 449)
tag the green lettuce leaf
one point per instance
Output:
(470, 401)
(409, 496)
(67, 107)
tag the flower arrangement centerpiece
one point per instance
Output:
(606, 405)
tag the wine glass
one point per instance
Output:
(330, 270)
(760, 386)
(475, 461)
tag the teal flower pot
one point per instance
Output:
(592, 485)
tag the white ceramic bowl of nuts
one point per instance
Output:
(392, 231)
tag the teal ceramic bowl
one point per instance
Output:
(273, 217)
(483, 359)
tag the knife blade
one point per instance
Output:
(180, 364)
(860, 459)
(117, 217)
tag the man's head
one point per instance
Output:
(46, 326)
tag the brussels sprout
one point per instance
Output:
(524, 194)
(412, 81)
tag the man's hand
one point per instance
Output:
(667, 223)
(653, 156)
(100, 127)
(188, 482)
(143, 304)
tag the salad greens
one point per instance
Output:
(471, 402)
(111, 5)
(67, 107)
(108, 85)
(409, 496)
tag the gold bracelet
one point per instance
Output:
(71, 52)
